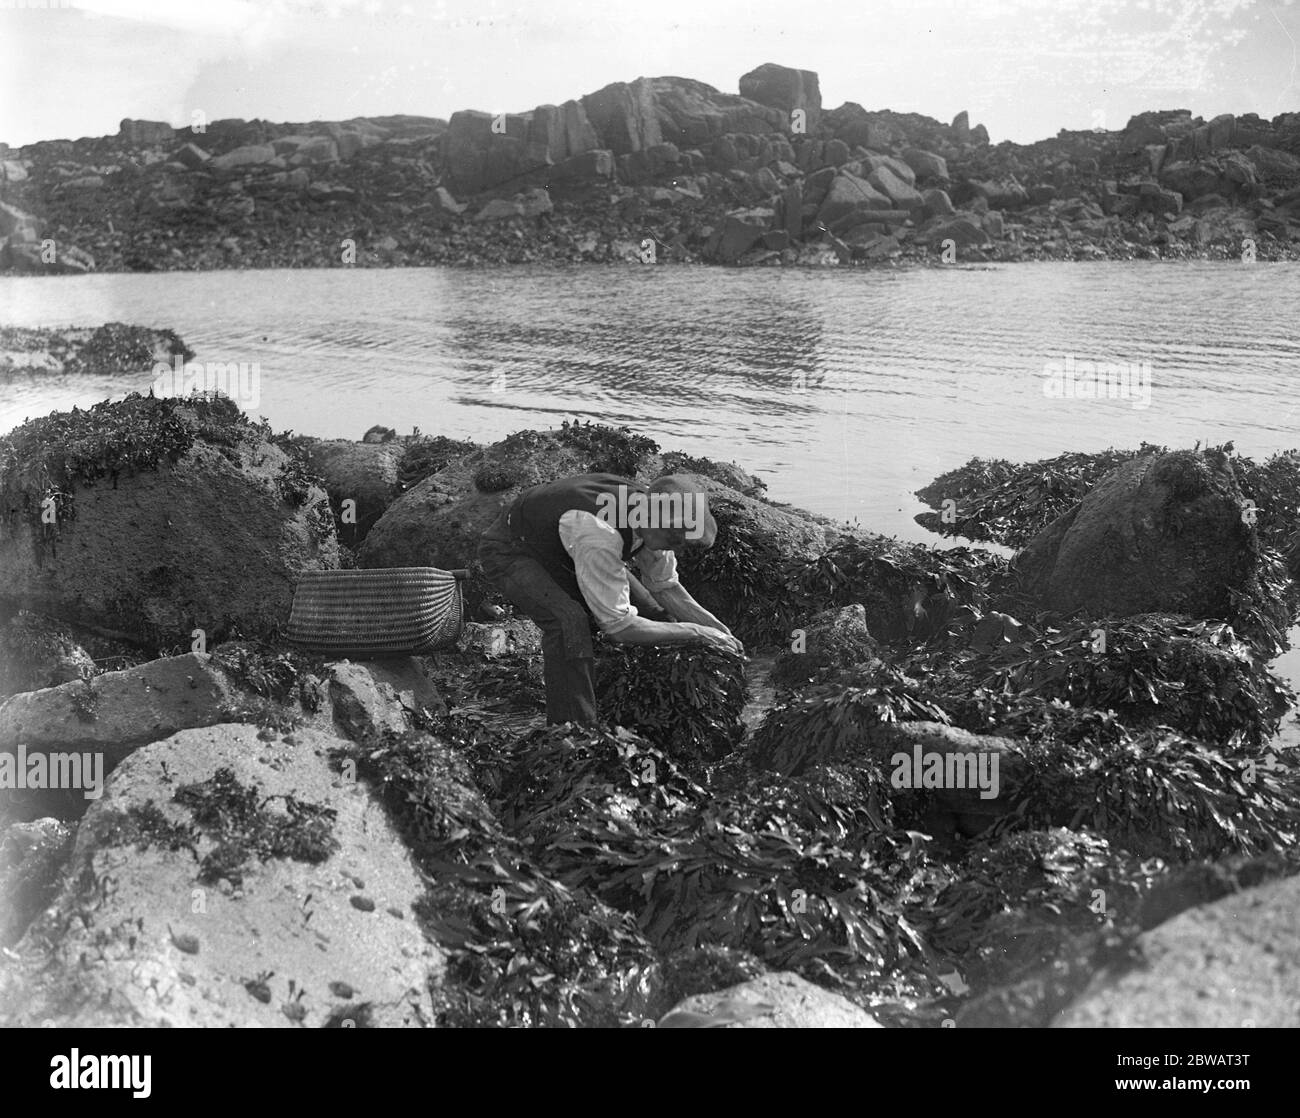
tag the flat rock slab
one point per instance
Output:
(135, 939)
(118, 711)
(773, 1001)
(1232, 964)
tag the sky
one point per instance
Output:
(1023, 68)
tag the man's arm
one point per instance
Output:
(645, 602)
(682, 607)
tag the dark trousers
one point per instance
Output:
(552, 599)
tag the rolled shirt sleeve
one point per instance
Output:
(657, 569)
(597, 551)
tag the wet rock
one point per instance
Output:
(1232, 964)
(740, 232)
(1163, 533)
(772, 1001)
(165, 945)
(207, 528)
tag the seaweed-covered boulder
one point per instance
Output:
(741, 578)
(1232, 964)
(112, 348)
(228, 878)
(150, 518)
(1166, 533)
(832, 639)
(438, 523)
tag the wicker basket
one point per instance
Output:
(387, 611)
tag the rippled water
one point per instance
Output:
(905, 374)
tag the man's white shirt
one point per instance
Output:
(597, 551)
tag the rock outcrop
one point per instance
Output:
(666, 159)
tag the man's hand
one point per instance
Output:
(716, 638)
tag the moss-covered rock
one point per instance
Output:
(151, 518)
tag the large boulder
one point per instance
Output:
(900, 193)
(482, 151)
(740, 232)
(926, 164)
(848, 194)
(1162, 533)
(237, 879)
(1233, 964)
(153, 517)
(630, 116)
(1232, 176)
(781, 87)
(145, 133)
(438, 522)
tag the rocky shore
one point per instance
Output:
(655, 171)
(945, 789)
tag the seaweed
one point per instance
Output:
(1010, 504)
(236, 819)
(833, 721)
(1195, 676)
(687, 701)
(609, 450)
(424, 457)
(1156, 793)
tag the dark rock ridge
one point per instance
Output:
(656, 170)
